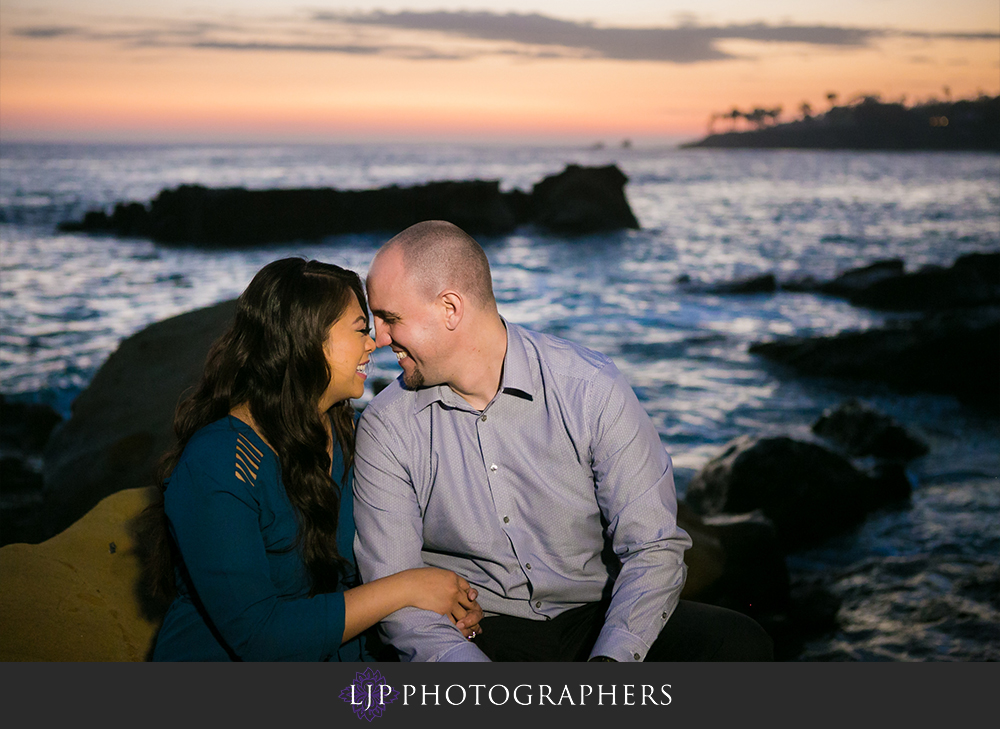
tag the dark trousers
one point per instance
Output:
(694, 632)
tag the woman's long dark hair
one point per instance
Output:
(272, 359)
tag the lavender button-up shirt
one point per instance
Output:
(517, 498)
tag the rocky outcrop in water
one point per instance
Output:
(576, 201)
(581, 200)
(808, 492)
(954, 353)
(951, 347)
(863, 431)
(972, 280)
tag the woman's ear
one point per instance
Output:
(453, 306)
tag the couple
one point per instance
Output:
(512, 499)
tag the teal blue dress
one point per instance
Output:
(242, 587)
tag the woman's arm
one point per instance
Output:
(428, 588)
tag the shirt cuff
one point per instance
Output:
(621, 645)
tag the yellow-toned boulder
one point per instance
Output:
(77, 596)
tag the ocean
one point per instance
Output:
(711, 216)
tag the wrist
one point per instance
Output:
(405, 588)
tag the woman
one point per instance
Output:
(256, 525)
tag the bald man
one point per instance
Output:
(526, 464)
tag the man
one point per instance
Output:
(525, 464)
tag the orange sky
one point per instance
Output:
(100, 70)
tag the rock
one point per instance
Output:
(863, 431)
(973, 280)
(807, 491)
(26, 427)
(763, 284)
(77, 596)
(583, 200)
(20, 501)
(932, 288)
(858, 279)
(24, 431)
(735, 562)
(122, 423)
(956, 353)
(578, 200)
(755, 576)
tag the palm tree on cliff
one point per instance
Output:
(735, 114)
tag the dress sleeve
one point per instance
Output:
(215, 524)
(389, 539)
(635, 489)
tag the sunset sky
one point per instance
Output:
(505, 70)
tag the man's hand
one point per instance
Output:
(446, 593)
(468, 624)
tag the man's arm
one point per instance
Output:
(635, 489)
(389, 539)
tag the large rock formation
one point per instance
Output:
(577, 200)
(76, 597)
(122, 423)
(582, 200)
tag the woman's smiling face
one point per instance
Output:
(347, 348)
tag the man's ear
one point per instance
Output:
(453, 306)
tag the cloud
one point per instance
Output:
(687, 42)
(526, 35)
(47, 31)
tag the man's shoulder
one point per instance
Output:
(564, 357)
(393, 398)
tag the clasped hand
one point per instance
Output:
(445, 593)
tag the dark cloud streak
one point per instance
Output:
(526, 35)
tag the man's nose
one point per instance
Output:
(382, 338)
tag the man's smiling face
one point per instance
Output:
(405, 320)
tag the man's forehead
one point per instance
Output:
(386, 285)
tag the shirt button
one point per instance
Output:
(527, 565)
(664, 616)
(493, 467)
(635, 656)
(483, 418)
(538, 604)
(506, 519)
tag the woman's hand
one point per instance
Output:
(445, 593)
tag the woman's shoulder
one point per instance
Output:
(230, 447)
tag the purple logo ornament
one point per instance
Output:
(369, 694)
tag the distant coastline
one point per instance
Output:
(869, 124)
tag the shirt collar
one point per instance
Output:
(516, 379)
